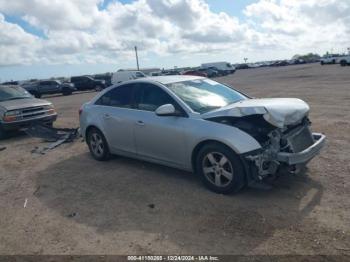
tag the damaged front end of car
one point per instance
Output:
(285, 136)
(289, 148)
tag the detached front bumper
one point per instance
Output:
(304, 156)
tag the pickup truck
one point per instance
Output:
(334, 59)
(19, 109)
(45, 87)
(82, 83)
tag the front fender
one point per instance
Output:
(239, 141)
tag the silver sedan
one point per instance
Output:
(196, 124)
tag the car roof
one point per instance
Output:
(170, 79)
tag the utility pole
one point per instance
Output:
(137, 59)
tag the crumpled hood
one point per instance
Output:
(279, 112)
(23, 103)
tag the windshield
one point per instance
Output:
(13, 92)
(204, 95)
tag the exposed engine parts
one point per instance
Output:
(291, 140)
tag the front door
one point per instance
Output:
(158, 137)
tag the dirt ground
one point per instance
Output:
(76, 205)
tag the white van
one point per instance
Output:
(122, 76)
(222, 66)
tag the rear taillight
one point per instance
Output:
(80, 111)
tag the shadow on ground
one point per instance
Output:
(125, 195)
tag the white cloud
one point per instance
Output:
(76, 31)
(17, 46)
(304, 24)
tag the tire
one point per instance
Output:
(67, 93)
(98, 88)
(2, 133)
(36, 95)
(220, 169)
(322, 63)
(343, 63)
(98, 145)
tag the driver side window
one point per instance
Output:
(149, 97)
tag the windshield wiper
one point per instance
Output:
(207, 109)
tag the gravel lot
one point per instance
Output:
(76, 205)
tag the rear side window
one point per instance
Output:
(120, 96)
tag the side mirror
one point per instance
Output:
(167, 110)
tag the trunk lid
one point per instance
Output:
(279, 112)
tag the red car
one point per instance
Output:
(195, 73)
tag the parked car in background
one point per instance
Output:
(194, 73)
(220, 66)
(197, 124)
(46, 87)
(280, 63)
(220, 72)
(170, 72)
(209, 72)
(331, 59)
(19, 109)
(157, 73)
(11, 83)
(83, 83)
(242, 66)
(107, 78)
(296, 61)
(122, 76)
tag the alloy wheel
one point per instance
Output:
(218, 169)
(97, 145)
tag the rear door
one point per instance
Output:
(118, 118)
(54, 87)
(46, 87)
(158, 137)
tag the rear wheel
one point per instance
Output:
(2, 133)
(67, 92)
(343, 63)
(220, 169)
(98, 88)
(98, 145)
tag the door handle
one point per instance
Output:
(140, 123)
(107, 116)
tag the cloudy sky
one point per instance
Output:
(43, 38)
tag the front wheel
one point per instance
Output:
(67, 93)
(220, 169)
(97, 145)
